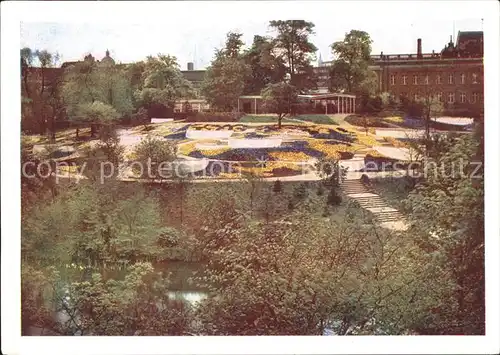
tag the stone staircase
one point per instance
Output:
(386, 216)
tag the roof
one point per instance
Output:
(325, 96)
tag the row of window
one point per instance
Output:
(451, 97)
(451, 79)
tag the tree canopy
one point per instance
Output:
(350, 71)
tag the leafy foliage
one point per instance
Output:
(161, 82)
(447, 213)
(224, 80)
(350, 71)
(294, 49)
(278, 98)
(154, 157)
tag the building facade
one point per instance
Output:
(455, 75)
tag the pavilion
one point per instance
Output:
(333, 103)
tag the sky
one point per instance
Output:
(192, 30)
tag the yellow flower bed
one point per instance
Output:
(187, 148)
(375, 153)
(332, 151)
(290, 156)
(266, 171)
(395, 143)
(213, 152)
(366, 140)
(395, 119)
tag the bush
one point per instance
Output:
(158, 150)
(215, 117)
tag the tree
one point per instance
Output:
(447, 219)
(154, 158)
(293, 47)
(224, 80)
(431, 108)
(95, 94)
(41, 103)
(162, 83)
(266, 68)
(93, 224)
(270, 279)
(279, 98)
(350, 70)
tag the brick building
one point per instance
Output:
(454, 75)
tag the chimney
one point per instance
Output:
(419, 48)
(190, 66)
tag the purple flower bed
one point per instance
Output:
(255, 154)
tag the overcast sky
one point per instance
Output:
(191, 31)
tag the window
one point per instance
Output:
(474, 78)
(462, 78)
(415, 80)
(474, 97)
(427, 80)
(450, 79)
(451, 97)
(404, 79)
(393, 79)
(463, 97)
(438, 79)
(439, 96)
(177, 110)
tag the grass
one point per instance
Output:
(319, 119)
(262, 119)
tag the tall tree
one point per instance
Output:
(292, 45)
(162, 82)
(225, 78)
(102, 90)
(350, 70)
(41, 103)
(266, 68)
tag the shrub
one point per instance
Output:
(158, 150)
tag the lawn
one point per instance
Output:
(318, 119)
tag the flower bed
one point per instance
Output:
(395, 142)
